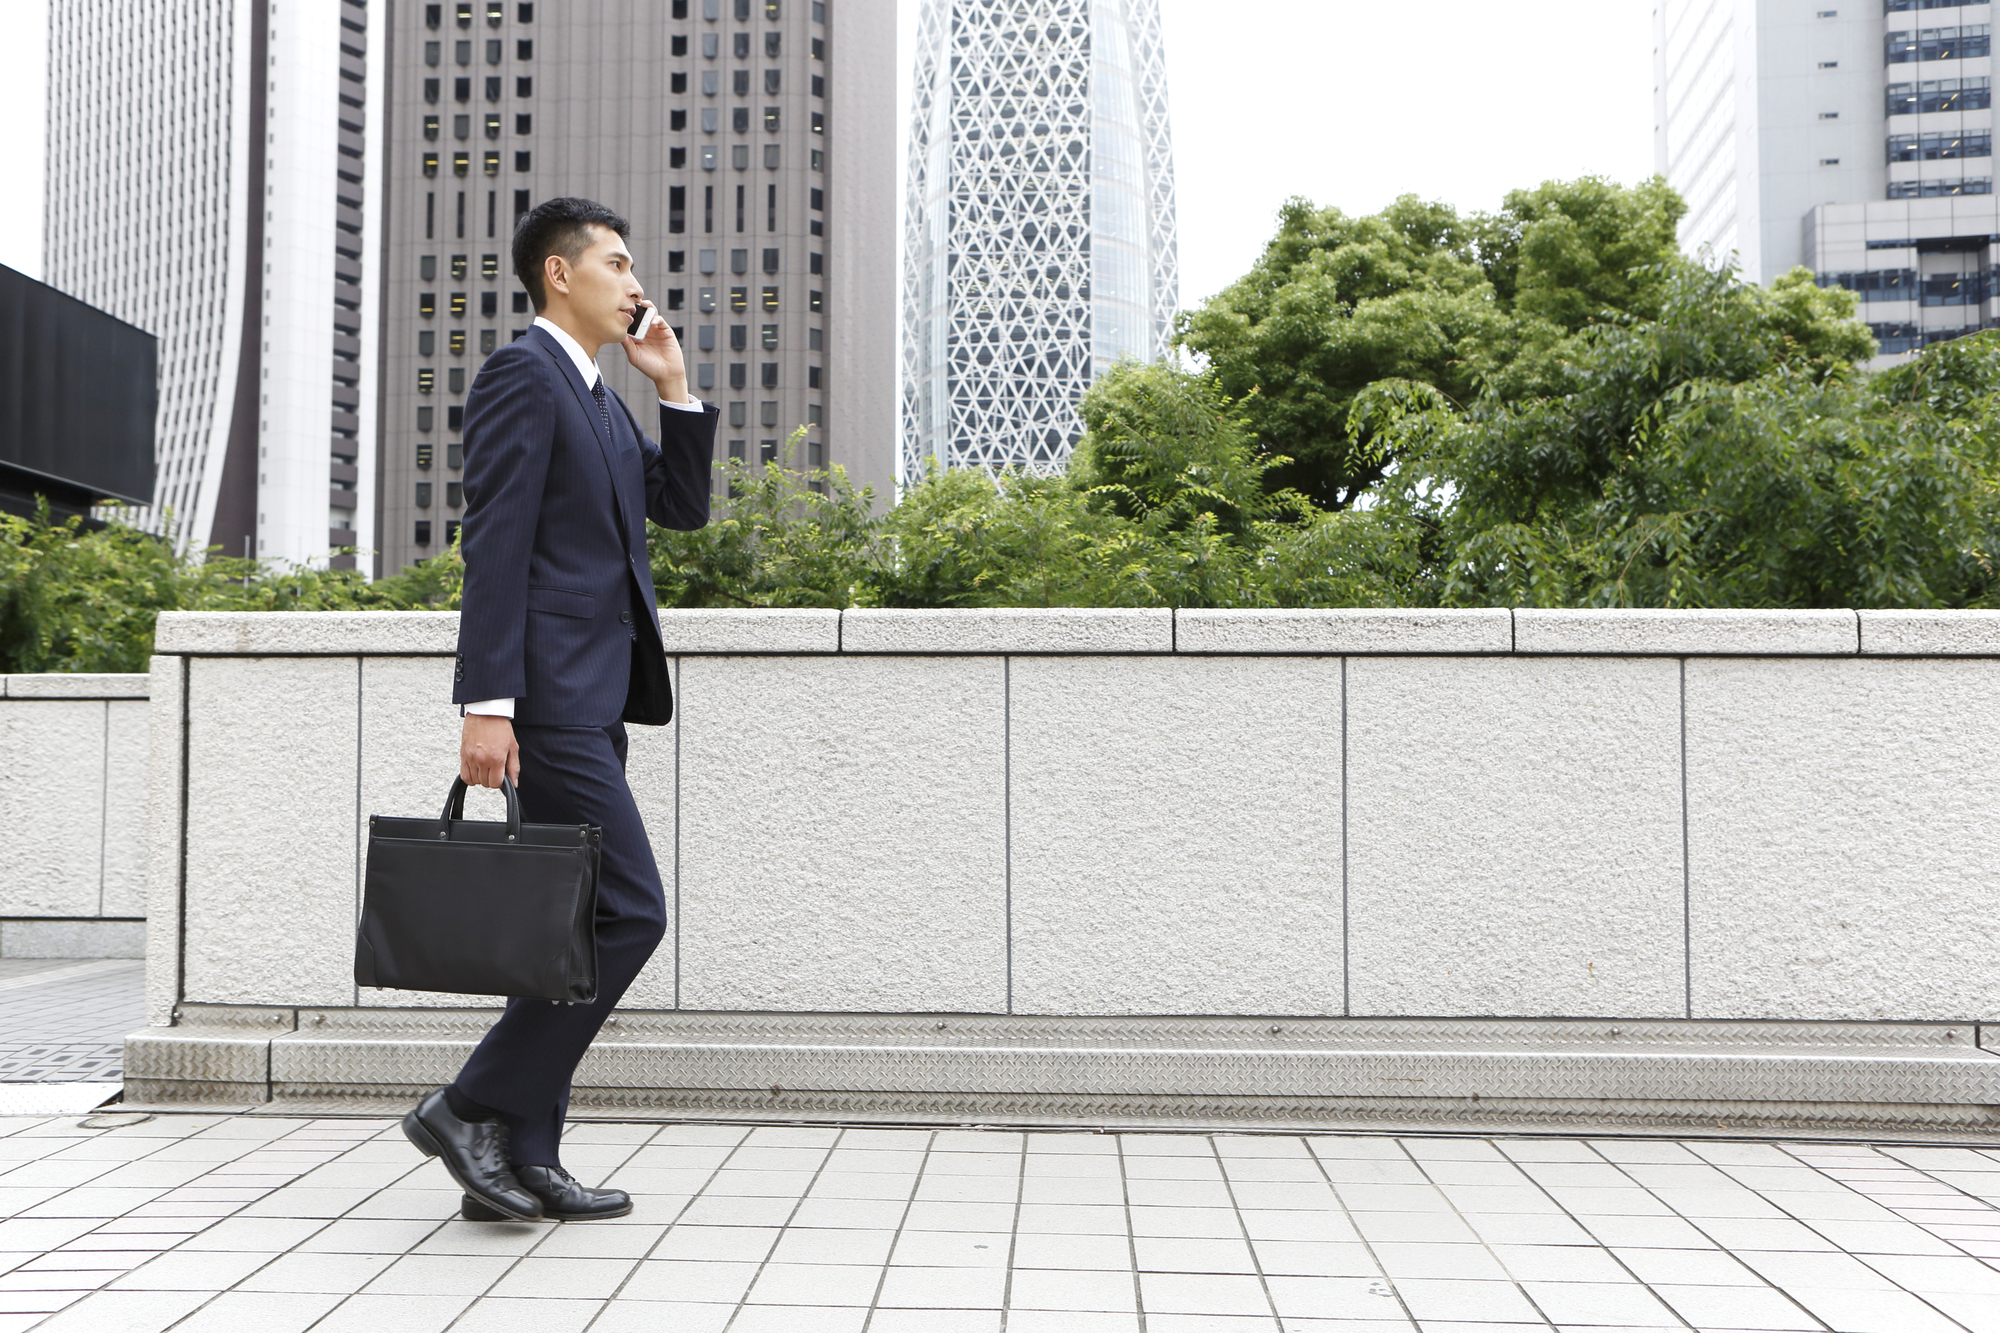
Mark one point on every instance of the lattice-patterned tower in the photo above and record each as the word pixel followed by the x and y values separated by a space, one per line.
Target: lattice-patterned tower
pixel 1039 247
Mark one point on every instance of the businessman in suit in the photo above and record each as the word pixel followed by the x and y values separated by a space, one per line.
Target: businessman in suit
pixel 558 647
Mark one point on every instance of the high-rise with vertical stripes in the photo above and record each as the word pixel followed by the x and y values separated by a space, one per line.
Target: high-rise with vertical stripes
pixel 210 179
pixel 1039 245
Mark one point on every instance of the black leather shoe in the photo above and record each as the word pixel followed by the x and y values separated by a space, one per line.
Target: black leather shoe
pixel 475 1152
pixel 563 1199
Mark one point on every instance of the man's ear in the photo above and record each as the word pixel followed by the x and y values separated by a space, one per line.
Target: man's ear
pixel 555 274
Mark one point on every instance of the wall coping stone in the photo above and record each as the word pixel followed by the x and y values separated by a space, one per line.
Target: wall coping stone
pixel 1094 630
pixel 1359 631
pixel 77 685
pixel 306 633
pixel 1687 633
pixel 1930 633
pixel 1008 630
pixel 750 630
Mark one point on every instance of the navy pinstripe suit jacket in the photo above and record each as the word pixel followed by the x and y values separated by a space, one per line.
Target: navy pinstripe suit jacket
pixel 555 535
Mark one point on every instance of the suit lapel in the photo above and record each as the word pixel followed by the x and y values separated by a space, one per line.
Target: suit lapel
pixel 607 447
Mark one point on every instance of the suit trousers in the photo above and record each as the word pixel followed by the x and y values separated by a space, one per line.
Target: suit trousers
pixel 523 1066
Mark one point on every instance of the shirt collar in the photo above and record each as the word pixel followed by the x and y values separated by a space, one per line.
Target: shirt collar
pixel 585 366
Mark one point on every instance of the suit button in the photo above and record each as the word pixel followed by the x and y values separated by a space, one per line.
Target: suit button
pixel 624 617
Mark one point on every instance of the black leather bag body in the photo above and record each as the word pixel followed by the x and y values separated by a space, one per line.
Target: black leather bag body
pixel 478 907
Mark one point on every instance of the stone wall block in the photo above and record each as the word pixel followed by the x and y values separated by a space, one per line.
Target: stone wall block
pixel 127 771
pixel 1346 631
pixel 1930 633
pixel 843 845
pixel 1176 835
pixel 1687 633
pixel 271 838
pixel 166 702
pixel 409 759
pixel 750 631
pixel 1008 630
pixel 52 806
pixel 1843 839
pixel 650 755
pixel 1514 837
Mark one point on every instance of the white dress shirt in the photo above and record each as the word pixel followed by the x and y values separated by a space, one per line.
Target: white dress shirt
pixel 586 366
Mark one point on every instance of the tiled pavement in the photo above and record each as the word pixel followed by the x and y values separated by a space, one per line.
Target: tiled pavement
pixel 64 1020
pixel 273 1225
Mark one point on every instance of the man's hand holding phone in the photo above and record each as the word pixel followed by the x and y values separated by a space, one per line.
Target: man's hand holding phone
pixel 654 352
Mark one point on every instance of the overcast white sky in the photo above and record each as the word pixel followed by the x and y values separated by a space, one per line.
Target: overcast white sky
pixel 1347 102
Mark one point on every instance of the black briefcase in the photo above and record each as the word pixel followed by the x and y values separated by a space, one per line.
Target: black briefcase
pixel 478 908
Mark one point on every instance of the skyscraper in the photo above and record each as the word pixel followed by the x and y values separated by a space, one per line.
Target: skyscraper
pixel 1854 139
pixel 1039 244
pixel 749 144
pixel 207 174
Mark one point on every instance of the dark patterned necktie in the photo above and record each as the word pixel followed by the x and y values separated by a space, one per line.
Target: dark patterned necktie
pixel 603 408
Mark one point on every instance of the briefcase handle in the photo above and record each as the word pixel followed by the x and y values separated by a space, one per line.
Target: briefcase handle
pixel 454 807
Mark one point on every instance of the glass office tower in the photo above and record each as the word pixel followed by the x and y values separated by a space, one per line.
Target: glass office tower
pixel 1039 247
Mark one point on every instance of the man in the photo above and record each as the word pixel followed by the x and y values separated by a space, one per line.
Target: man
pixel 559 646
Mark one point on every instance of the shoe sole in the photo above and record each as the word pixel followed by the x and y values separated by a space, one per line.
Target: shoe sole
pixel 466 1213
pixel 427 1144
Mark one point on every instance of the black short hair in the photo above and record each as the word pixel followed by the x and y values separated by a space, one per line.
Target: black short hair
pixel 557 227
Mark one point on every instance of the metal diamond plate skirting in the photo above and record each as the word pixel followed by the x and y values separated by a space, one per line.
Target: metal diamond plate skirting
pixel 1177 1069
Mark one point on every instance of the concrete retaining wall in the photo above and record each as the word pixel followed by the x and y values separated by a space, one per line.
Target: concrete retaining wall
pixel 73 804
pixel 1480 822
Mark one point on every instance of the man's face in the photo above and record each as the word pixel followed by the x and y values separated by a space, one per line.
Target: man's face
pixel 603 294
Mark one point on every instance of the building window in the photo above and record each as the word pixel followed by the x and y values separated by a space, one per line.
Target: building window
pixel 709 119
pixel 427 342
pixel 430 164
pixel 1940 147
pixel 465 14
pixel 739 376
pixel 711 83
pixel 523 123
pixel 520 303
pixel 770 298
pixel 739 157
pixel 767 451
pixel 524 49
pixel 432 55
pixel 431 91
pixel 1934 95
pixel 426 379
pixel 455 377
pixel 423 495
pixel 708 157
pixel 458 305
pixel 521 161
pixel 454 420
pixel 495 11
pixel 771 156
pixel 677 83
pixel 461 163
pixel 813 340
pixel 771 83
pixel 1940 189
pixel 771 10
pixel 431 128
pixel 524 86
pixel 424 457
pixel 770 336
pixel 426 416
pixel 423 537
pixel 739 120
pixel 707 301
pixel 742 48
pixel 677 120
pixel 462 52
pixel 770 120
pixel 427 304
pixel 454 495
pixel 819 122
pixel 676 208
pixel 525 13
pixel 493 125
pixel 488 340
pixel 493 163
pixel 815 264
pixel 737 415
pixel 458 266
pixel 454 456
pixel 461 89
pixel 489 266
pixel 493 88
pixel 739 82
pixel 818 160
pixel 461 127
pixel 739 299
pixel 493 53
pixel 770 374
pixel 1962 43
pixel 433 15
pixel 705 375
pixel 451 529
pixel 819 85
pixel 454 342
pixel 812 374
pixel 739 261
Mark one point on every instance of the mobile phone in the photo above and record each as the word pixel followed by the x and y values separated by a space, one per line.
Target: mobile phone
pixel 637 329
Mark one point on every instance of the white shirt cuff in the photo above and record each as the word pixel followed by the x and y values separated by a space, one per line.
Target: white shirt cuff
pixel 693 404
pixel 492 708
